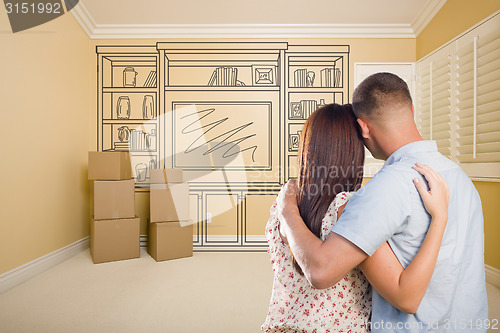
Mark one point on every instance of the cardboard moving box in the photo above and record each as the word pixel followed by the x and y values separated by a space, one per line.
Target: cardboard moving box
pixel 109 165
pixel 170 240
pixel 112 240
pixel 165 176
pixel 169 202
pixel 114 199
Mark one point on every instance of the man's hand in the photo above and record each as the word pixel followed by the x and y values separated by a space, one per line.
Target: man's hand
pixel 287 204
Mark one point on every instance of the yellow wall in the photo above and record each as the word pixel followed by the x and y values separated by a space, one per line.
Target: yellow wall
pixel 490 197
pixel 454 18
pixel 45 84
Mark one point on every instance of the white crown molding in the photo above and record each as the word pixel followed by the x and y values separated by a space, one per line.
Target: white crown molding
pixel 142 31
pixel 25 272
pixel 83 17
pixel 109 31
pixel 423 18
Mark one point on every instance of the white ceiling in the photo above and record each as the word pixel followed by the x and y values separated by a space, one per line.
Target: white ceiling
pixel 187 18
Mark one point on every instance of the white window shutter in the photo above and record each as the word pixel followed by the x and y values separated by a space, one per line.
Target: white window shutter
pixel 434 99
pixel 441 103
pixel 423 101
pixel 478 102
pixel 458 99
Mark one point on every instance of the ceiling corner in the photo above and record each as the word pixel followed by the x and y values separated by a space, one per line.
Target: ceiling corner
pixel 84 18
pixel 426 14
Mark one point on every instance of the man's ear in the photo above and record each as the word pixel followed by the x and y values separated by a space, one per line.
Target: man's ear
pixel 365 131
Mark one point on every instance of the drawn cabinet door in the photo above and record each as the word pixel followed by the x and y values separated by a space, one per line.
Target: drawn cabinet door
pixel 257 207
pixel 196 214
pixel 222 215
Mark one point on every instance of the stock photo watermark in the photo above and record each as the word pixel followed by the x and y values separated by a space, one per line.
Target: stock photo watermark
pixel 24 15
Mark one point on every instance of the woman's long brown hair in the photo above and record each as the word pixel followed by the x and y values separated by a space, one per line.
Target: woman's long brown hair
pixel 331 157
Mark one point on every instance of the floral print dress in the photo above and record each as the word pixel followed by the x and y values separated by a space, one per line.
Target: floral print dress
pixel 296 306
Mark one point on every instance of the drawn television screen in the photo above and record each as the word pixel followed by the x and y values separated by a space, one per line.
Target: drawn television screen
pixel 216 135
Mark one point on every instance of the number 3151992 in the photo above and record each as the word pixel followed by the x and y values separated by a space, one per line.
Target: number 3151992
pixel 32 8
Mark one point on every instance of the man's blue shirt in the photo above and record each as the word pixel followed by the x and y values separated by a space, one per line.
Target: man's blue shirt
pixel 389 208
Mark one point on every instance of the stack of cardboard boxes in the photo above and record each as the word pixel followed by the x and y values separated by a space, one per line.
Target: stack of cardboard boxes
pixel 114 228
pixel 170 232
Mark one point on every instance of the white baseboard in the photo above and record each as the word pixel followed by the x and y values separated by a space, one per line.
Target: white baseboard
pixel 25 272
pixel 492 275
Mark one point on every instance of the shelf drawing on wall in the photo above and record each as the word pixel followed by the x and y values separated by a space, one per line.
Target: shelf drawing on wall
pixel 143 167
pixel 127 105
pixel 263 75
pixel 225 77
pixel 130 76
pixel 129 136
pixel 231 64
pixel 318 71
pixel 317 75
pixel 236 92
pixel 150 80
pixel 224 103
pixel 210 135
pixel 330 77
pixel 230 114
pixel 294 132
pixel 303 109
pixel 228 76
pixel 136 106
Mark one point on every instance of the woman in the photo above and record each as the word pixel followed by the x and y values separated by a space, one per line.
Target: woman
pixel 331 156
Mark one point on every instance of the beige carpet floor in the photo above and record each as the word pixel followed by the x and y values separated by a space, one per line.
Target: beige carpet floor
pixel 210 292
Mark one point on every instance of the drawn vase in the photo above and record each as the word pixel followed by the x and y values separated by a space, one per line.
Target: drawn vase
pixel 123 108
pixel 310 79
pixel 141 171
pixel 148 107
pixel 129 75
pixel 123 133
pixel 152 166
pixel 151 140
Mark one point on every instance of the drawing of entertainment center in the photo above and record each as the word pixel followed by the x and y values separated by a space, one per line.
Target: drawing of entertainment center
pixel 229 114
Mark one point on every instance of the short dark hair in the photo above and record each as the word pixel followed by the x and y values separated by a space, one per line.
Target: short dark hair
pixel 377 93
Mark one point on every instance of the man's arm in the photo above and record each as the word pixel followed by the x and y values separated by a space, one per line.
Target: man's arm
pixel 405 288
pixel 323 263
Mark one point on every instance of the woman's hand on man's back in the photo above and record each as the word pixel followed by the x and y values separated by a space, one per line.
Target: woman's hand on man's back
pixel 437 197
pixel 287 203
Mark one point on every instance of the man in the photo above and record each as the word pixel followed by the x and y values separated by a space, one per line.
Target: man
pixel 388 208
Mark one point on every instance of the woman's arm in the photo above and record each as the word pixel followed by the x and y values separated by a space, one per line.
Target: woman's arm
pixel 405 288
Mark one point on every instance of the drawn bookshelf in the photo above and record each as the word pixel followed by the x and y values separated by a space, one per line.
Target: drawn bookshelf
pixel 127 105
pixel 229 114
pixel 233 93
pixel 316 75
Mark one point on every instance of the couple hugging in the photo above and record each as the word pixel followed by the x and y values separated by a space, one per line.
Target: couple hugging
pixel 414 232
